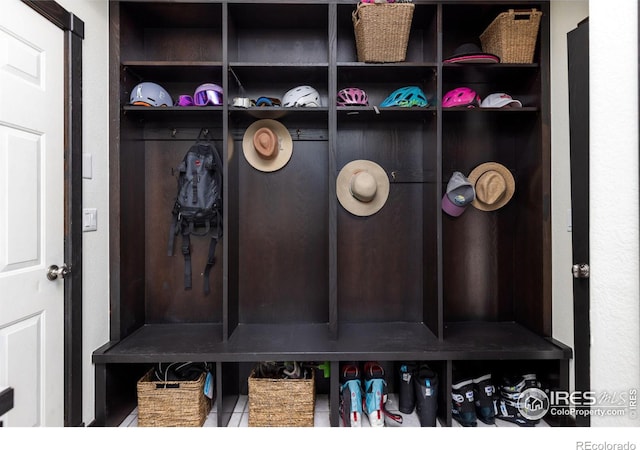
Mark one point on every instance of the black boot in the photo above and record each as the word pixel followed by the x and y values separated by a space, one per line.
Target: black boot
pixel 406 395
pixel 483 391
pixel 508 405
pixel 425 383
pixel 463 406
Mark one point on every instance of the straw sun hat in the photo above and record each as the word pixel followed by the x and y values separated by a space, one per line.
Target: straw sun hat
pixel 267 145
pixel 494 186
pixel 362 187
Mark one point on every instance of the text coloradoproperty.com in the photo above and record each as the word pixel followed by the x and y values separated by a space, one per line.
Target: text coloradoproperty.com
pixel 586 412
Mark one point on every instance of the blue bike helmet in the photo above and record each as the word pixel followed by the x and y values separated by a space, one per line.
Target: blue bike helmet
pixel 407 97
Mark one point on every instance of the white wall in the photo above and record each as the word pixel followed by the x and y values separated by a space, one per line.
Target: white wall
pixel 95 130
pixel 614 239
pixel 615 310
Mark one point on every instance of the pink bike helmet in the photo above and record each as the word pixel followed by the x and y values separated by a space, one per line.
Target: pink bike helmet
pixel 352 97
pixel 462 96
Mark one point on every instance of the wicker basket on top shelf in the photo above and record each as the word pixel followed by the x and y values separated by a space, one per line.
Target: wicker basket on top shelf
pixel 382 31
pixel 513 35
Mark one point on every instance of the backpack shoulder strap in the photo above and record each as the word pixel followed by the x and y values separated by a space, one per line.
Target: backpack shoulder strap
pixel 211 260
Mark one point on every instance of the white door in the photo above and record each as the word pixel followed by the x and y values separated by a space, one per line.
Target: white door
pixel 31 215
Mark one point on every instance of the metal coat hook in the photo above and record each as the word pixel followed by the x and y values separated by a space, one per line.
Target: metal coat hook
pixel 174 132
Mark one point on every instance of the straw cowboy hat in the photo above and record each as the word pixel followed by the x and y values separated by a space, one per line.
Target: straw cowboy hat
pixel 494 186
pixel 362 187
pixel 267 145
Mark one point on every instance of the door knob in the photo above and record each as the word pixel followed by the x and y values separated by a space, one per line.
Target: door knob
pixel 580 270
pixel 53 272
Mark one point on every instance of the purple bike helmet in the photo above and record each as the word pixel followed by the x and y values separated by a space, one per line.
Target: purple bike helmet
pixel 352 97
pixel 462 96
pixel 208 94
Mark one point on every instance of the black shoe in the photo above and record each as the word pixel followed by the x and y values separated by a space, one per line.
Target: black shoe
pixel 507 407
pixel 463 406
pixel 483 392
pixel 406 395
pixel 425 383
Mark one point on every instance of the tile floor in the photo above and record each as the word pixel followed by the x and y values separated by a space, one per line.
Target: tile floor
pixel 240 416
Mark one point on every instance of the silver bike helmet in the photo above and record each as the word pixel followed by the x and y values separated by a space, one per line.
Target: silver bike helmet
pixel 150 94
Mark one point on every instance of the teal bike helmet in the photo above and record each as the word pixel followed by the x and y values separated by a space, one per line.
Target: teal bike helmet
pixel 406 97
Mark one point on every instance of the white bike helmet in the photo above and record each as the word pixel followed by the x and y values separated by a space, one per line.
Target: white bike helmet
pixel 301 96
pixel 150 94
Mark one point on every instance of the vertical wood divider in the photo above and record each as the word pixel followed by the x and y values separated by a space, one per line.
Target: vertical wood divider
pixel 333 221
pixel 440 308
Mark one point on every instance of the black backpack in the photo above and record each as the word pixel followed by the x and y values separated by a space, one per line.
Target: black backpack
pixel 198 206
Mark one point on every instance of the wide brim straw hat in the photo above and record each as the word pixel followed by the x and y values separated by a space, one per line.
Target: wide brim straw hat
pixel 267 145
pixel 362 187
pixel 494 186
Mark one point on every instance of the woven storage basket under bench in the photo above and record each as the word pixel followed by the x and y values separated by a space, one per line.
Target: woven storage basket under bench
pixel 275 402
pixel 172 403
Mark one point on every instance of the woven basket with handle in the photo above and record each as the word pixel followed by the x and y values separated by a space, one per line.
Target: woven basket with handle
pixel 283 402
pixel 172 403
pixel 513 35
pixel 382 31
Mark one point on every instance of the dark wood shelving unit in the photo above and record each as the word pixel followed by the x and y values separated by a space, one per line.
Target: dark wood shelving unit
pixel 298 277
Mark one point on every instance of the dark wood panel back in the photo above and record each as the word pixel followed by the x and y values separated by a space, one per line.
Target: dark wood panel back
pixel 380 257
pixel 283 267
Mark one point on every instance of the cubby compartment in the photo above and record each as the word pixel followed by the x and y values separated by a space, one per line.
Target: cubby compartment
pixel 499 253
pixel 393 243
pixel 514 380
pixel 153 290
pixel 171 32
pixel 176 81
pixel 278 33
pixel 380 81
pixel 280 222
pixel 464 23
pixel 253 81
pixel 402 385
pixel 422 45
pixel 521 83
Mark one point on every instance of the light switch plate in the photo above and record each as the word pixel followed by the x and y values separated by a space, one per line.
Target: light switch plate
pixel 89 219
pixel 87 165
